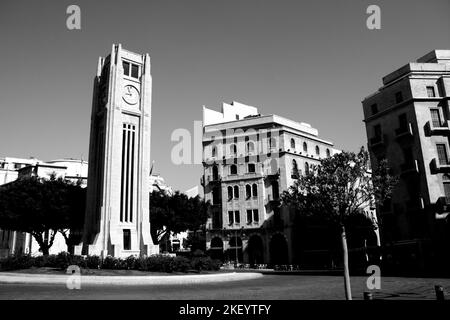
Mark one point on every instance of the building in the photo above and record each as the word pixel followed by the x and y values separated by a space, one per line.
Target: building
pixel 117 218
pixel 249 159
pixel 15 242
pixel 407 124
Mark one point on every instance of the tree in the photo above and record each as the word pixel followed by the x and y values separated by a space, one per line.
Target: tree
pixel 72 229
pixel 339 187
pixel 175 213
pixel 38 206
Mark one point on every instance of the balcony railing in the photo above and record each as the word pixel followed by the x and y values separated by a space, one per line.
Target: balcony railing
pixel 377 141
pixel 405 131
pixel 440 166
pixel 272 175
pixel 410 167
pixel 214 179
pixel 442 129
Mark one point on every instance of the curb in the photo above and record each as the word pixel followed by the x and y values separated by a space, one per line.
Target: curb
pixel 15 278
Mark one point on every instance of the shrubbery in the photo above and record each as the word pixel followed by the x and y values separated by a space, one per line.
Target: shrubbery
pixel 154 263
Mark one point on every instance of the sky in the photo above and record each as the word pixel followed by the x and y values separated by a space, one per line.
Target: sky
pixel 309 61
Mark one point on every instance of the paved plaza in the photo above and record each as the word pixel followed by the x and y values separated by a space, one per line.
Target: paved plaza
pixel 267 287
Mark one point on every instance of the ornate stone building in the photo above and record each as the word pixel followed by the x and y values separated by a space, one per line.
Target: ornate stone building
pixel 249 159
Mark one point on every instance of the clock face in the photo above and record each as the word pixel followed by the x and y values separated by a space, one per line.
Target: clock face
pixel 130 95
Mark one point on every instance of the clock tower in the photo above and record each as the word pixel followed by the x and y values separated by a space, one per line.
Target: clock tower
pixel 117 220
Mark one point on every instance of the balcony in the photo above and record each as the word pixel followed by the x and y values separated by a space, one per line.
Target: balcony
pixel 273 200
pixel 409 167
pixel 437 130
pixel 214 179
pixel 438 167
pixel 377 141
pixel 272 175
pixel 404 132
pixel 443 205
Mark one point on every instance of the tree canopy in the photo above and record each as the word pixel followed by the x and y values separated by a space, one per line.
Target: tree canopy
pixel 175 213
pixel 341 185
pixel 339 188
pixel 41 207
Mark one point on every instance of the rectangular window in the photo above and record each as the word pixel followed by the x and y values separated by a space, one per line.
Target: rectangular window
pixel 374 108
pixel 408 157
pixel 230 217
pixel 377 131
pixel 126 239
pixel 430 92
pixel 447 192
pixel 398 97
pixel 442 154
pixel 256 215
pixel 237 216
pixel 251 168
pixel 249 216
pixel 402 122
pixel 126 68
pixel 435 117
pixel 135 71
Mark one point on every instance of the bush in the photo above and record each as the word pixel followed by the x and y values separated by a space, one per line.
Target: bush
pixel 159 263
pixel 129 263
pixel 205 263
pixel 154 263
pixel 16 262
pixel 180 264
pixel 110 263
pixel 79 261
pixel 62 261
pixel 141 264
pixel 93 262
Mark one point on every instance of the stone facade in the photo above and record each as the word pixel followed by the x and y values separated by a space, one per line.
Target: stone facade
pixel 407 123
pixel 249 160
pixel 117 219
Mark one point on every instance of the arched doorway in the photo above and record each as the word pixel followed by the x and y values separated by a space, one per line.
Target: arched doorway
pixel 278 250
pixel 255 250
pixel 235 250
pixel 216 249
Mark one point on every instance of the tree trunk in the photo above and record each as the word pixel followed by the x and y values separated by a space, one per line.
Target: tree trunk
pixel 348 289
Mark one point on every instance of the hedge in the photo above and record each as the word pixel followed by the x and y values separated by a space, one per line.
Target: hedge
pixel 154 263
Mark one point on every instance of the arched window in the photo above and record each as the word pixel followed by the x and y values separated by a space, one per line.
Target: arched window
pixel 233 149
pixel 230 192
pixel 294 173
pixel 233 169
pixel 292 143
pixel 248 191
pixel 214 152
pixel 236 192
pixel 328 153
pixel 250 147
pixel 306 167
pixel 305 147
pixel 317 150
pixel 255 190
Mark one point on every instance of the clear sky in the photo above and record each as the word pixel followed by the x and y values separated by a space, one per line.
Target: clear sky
pixel 310 61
